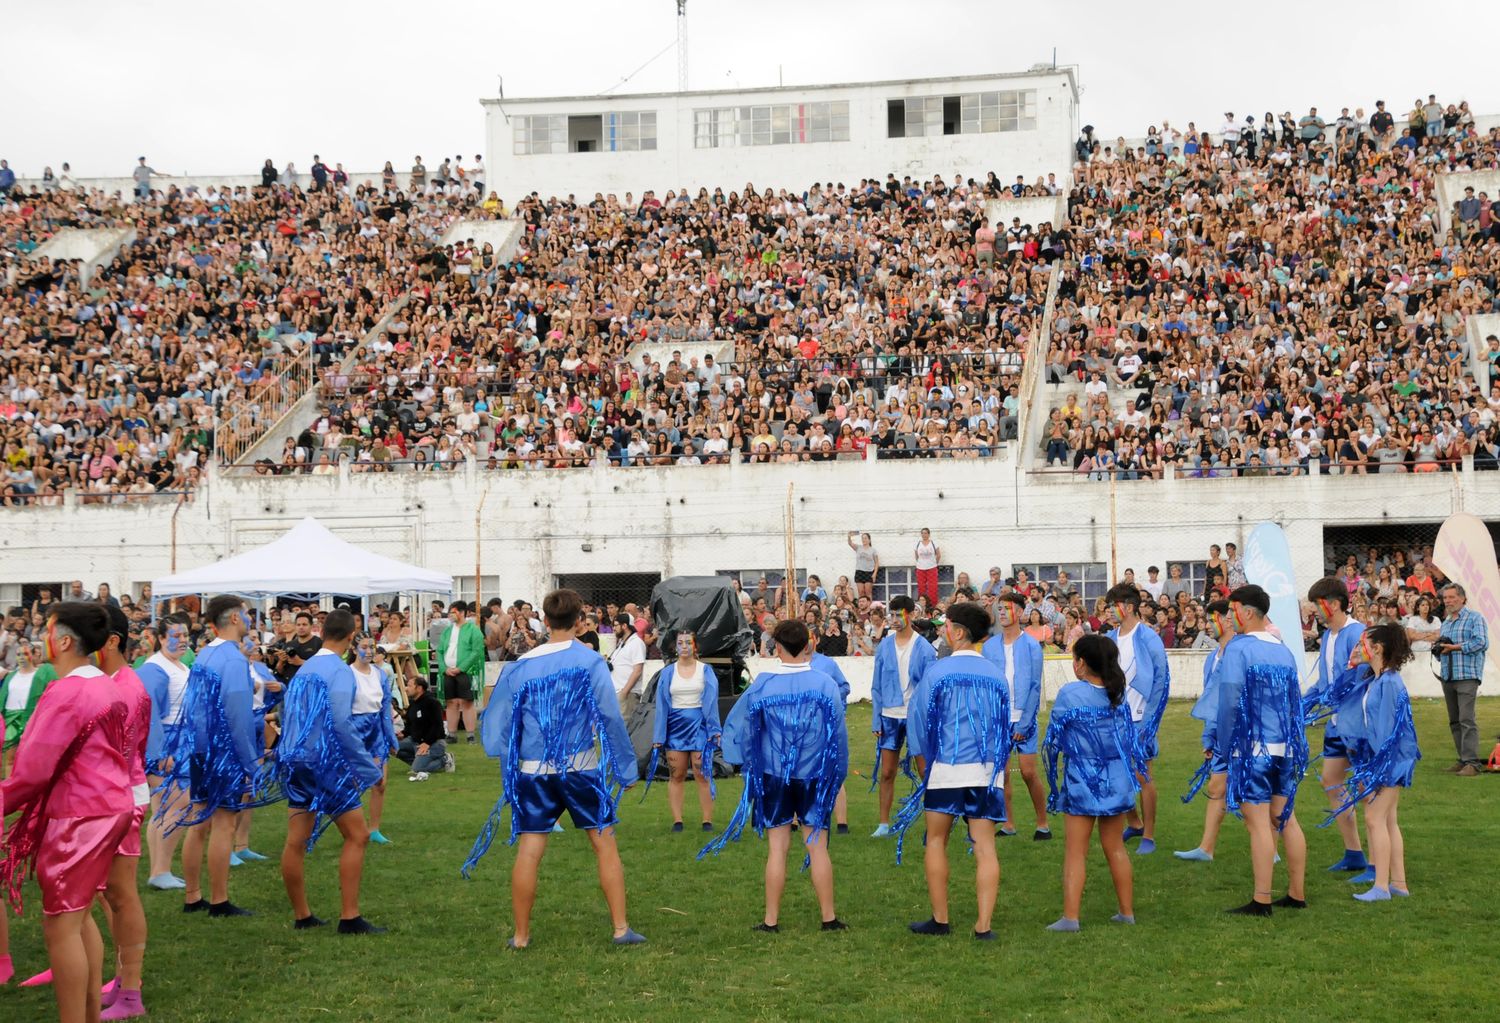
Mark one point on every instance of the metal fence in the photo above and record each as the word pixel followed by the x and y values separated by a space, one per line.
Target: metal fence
pixel 243 422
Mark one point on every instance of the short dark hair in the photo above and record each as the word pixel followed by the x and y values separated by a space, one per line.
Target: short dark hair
pixel 1013 598
pixel 1217 607
pixel 1329 588
pixel 561 609
pixel 305 614
pixel 1394 644
pixel 119 625
pixel 972 618
pixel 902 602
pixel 1251 595
pixel 85 619
pixel 792 635
pixel 339 625
pixel 223 608
pixel 175 618
pixel 1124 593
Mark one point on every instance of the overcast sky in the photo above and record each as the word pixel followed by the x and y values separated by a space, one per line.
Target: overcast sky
pixel 216 88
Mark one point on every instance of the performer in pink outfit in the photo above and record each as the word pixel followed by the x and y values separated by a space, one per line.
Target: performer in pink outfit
pixel 72 788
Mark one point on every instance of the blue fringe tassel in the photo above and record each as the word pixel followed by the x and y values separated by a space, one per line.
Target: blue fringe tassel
pixel 651 771
pixel 982 704
pixel 1199 779
pixel 1318 706
pixel 1379 770
pixel 1067 737
pixel 570 723
pixel 875 771
pixel 1278 686
pixel 708 766
pixel 314 745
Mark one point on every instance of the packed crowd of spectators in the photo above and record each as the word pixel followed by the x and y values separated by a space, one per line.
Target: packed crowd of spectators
pixel 1277 299
pixel 109 386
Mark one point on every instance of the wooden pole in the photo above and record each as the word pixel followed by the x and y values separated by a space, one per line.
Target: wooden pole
pixel 790 580
pixel 1114 538
pixel 478 546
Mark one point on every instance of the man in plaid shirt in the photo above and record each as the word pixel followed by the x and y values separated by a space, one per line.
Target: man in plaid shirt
pixel 1462 646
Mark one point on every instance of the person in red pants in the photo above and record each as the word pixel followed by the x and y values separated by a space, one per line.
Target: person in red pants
pixel 928 555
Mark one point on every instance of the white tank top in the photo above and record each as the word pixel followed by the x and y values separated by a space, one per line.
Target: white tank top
pixel 927 555
pixel 687 690
pixel 177 678
pixel 368 695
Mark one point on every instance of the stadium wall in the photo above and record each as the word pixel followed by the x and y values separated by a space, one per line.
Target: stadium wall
pixel 677 162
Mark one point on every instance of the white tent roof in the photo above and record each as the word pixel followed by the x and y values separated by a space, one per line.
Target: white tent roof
pixel 308 559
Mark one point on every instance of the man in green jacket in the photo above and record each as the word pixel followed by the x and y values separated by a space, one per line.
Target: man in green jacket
pixel 460 658
pixel 18 695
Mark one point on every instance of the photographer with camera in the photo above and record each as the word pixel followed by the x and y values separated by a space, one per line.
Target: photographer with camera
pixel 1461 647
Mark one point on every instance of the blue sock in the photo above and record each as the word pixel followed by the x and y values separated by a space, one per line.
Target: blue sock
pixel 630 937
pixel 1197 855
pixel 1146 848
pixel 1354 860
pixel 1131 833
pixel 1064 924
pixel 1121 918
pixel 1374 895
pixel 1366 876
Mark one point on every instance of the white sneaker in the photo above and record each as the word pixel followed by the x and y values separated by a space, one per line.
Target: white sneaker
pixel 449 764
pixel 421 776
pixel 411 777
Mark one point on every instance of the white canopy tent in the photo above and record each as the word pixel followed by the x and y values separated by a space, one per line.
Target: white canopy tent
pixel 308 559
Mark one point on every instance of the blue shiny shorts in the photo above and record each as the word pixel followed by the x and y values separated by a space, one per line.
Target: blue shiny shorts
pixel 1025 745
pixel 781 803
pixel 542 798
pixel 892 733
pixel 975 801
pixel 686 731
pixel 1149 747
pixel 367 727
pixel 1268 778
pixel 304 791
pixel 1333 744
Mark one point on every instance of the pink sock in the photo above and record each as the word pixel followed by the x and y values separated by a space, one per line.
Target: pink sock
pixel 108 993
pixel 127 1005
pixel 7 970
pixel 40 980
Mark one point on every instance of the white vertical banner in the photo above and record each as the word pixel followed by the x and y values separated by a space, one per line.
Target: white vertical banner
pixel 1268 564
pixel 1466 554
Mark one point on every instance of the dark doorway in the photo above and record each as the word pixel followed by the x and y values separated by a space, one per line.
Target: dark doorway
pixel 604 588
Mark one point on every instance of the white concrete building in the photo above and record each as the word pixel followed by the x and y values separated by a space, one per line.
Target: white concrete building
pixel 787 136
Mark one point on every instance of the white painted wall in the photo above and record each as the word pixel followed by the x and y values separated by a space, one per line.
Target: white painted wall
pixel 1450 189
pixel 1478 328
pixel 675 163
pixel 93 246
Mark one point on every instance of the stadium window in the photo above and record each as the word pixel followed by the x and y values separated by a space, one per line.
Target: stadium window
pixel 749 578
pixel 1089 578
pixel 540 133
pixel 966 114
pixel 783 124
pixel 895 119
pixel 1194 573
pixel 631 131
pixel 463 587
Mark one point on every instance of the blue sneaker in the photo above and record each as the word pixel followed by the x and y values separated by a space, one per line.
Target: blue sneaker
pixel 630 937
pixel 1367 876
pixel 379 839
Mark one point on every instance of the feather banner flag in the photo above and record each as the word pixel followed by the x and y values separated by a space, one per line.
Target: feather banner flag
pixel 1268 564
pixel 1466 554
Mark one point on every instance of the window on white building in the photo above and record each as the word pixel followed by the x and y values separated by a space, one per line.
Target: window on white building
pixel 540 133
pixel 1089 578
pixel 1194 573
pixel 626 131
pixel 771 125
pixel 965 114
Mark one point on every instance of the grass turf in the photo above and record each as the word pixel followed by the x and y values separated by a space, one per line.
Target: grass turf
pixel 445 958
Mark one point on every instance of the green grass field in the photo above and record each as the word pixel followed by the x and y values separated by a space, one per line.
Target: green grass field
pixel 1425 958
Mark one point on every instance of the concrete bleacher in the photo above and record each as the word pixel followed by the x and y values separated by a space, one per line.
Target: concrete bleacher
pixel 92 247
pixel 1450 189
pixel 504 235
pixel 1479 327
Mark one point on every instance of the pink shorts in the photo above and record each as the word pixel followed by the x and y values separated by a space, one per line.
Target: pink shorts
pixel 72 864
pixel 130 845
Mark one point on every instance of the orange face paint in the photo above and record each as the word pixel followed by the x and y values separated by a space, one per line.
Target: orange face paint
pixel 49 642
pixel 1239 618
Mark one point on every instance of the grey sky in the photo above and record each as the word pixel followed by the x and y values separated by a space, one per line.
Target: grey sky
pixel 211 88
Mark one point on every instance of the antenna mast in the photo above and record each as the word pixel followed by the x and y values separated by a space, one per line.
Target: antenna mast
pixel 682 46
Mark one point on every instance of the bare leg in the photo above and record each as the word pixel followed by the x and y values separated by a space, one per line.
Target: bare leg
pixel 935 863
pixel 1034 785
pixel 1334 771
pixel 840 808
pixel 677 764
pixel 220 845
pixel 377 798
pixel 299 828
pixel 466 717
pixel 160 846
pixel 127 920
pixel 888 764
pixel 1078 830
pixel 1112 841
pixel 1148 805
pixel 356 837
pixel 242 830
pixel 1377 823
pixel 1262 847
pixel 611 876
pixel 75 951
pixel 779 840
pixel 821 869
pixel 450 717
pixel 705 797
pixel 986 871
pixel 1213 813
pixel 192 859
pixel 529 850
pixel 1398 844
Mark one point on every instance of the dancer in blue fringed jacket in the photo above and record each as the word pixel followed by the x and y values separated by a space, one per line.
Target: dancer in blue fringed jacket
pixel 217 755
pixel 373 722
pixel 549 717
pixel 166 679
pixel 788 732
pixel 325 767
pixel 1330 597
pixel 1148 681
pixel 830 667
pixel 1262 734
pixel 1091 730
pixel 959 723
pixel 1375 721
pixel 1213 774
pixel 900 660
pixel 1019 658
pixel 687 727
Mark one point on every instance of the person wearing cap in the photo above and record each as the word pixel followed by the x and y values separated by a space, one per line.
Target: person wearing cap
pixel 1261 735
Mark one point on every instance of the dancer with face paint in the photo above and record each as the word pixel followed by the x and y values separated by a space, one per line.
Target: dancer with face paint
pixel 165 676
pixel 687 727
pixel 373 723
pixel 900 661
pixel 1261 730
pixel 1019 658
pixel 72 790
pixel 960 725
pixel 19 692
pixel 1336 647
pixel 1215 770
pixel 1143 659
pixel 218 755
pixel 268 693
pixel 830 667
pixel 324 766
pixel 1377 727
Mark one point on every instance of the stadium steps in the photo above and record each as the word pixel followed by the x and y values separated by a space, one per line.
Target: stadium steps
pixel 92 247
